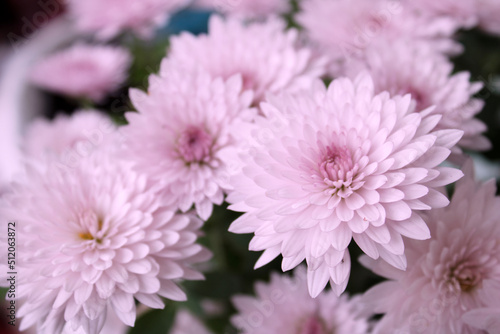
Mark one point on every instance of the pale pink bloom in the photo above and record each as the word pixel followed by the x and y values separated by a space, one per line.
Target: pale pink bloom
pixel 90 71
pixel 284 306
pixel 108 18
pixel 246 8
pixel 267 57
pixel 456 271
pixel 186 323
pixel 462 11
pixel 93 239
pixel 332 165
pixel 343 29
pixel 81 133
pixel 489 15
pixel 181 134
pixel 403 68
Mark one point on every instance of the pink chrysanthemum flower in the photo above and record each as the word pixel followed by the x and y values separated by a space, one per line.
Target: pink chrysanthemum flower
pixel 91 239
pixel 336 164
pixel 402 68
pixel 182 132
pixel 489 15
pixel 108 18
pixel 247 8
pixel 343 29
pixel 448 275
pixel 88 71
pixel 284 306
pixel 76 135
pixel 268 58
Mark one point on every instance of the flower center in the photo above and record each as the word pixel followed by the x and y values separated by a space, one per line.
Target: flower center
pixel 313 325
pixel 464 276
pixel 194 145
pixel 91 230
pixel 416 95
pixel 338 170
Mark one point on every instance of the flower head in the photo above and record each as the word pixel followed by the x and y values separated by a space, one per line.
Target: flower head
pixel 343 29
pixel 82 132
pixel 108 18
pixel 284 306
pixel 454 272
pixel 91 240
pixel 267 57
pixel 182 132
pixel 403 68
pixel 336 164
pixel 83 71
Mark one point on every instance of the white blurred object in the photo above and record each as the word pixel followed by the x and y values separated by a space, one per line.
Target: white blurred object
pixel 485 169
pixel 18 101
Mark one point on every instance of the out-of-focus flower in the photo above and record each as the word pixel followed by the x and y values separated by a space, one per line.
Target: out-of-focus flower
pixel 246 9
pixel 108 18
pixel 402 68
pixel 89 71
pixel 332 165
pixel 284 306
pixel 343 29
pixel 80 133
pixel 186 323
pixel 268 58
pixel 455 272
pixel 489 15
pixel 91 240
pixel 183 131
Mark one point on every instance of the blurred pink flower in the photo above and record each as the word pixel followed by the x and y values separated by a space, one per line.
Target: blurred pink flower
pixel 456 271
pixel 246 8
pixel 183 131
pixel 91 240
pixel 268 58
pixel 109 18
pixel 82 132
pixel 89 71
pixel 403 68
pixel 284 306
pixel 186 323
pixel 343 29
pixel 336 164
pixel 489 15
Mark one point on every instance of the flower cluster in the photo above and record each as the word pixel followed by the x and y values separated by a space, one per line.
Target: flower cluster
pixel 324 129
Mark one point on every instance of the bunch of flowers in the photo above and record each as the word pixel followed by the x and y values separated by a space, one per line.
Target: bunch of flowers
pixel 309 131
